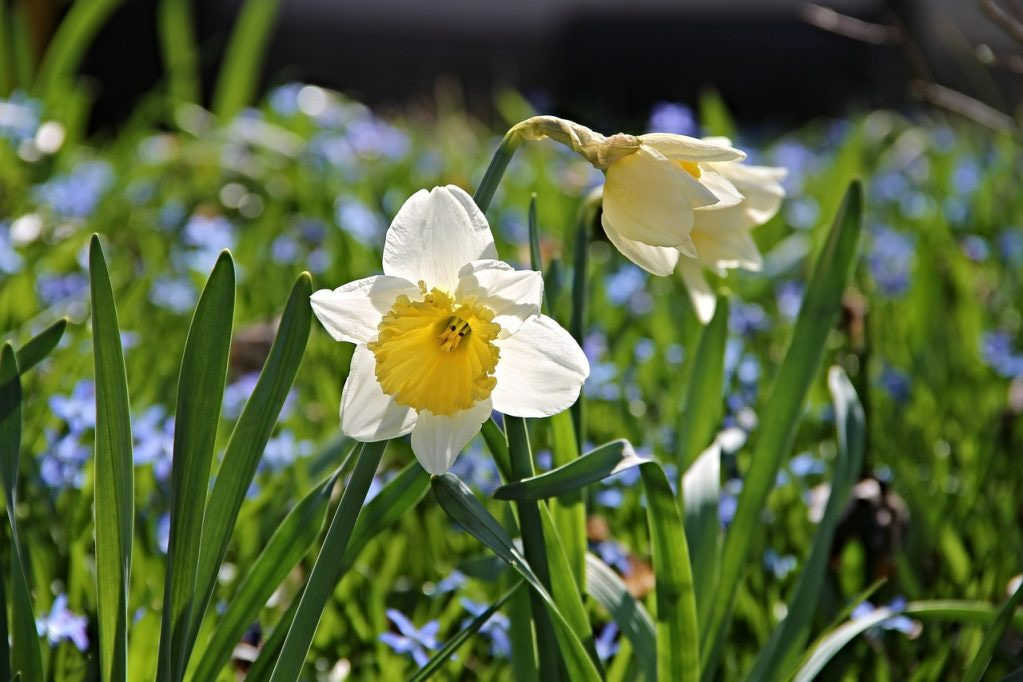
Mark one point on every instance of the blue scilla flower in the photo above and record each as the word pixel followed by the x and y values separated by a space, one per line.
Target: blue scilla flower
pixel 453 582
pixel 410 639
pixel 371 137
pixel 610 497
pixel 53 289
pixel 896 623
pixel 285 249
pixel 798 159
pixel 19 117
pixel 61 624
pixel 889 260
pixel 209 232
pixel 358 220
pixel 999 353
pixel 895 383
pixel 779 565
pixel 613 554
pixel 495 629
pixel 76 194
pixel 790 298
pixel 176 294
pixel 237 393
pixel 806 464
pixel 746 319
pixel 1010 245
pixel 62 464
pixel 671 117
pixel 11 261
pixel 477 469
pixel 282 450
pixel 966 175
pixel 153 433
pixel 729 501
pixel 606 642
pixel 78 410
pixel 802 212
pixel 284 99
pixel 625 283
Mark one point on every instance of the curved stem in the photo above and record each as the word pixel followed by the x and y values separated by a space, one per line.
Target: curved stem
pixel 495 171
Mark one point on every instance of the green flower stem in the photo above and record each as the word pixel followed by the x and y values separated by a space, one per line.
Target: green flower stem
pixel 589 213
pixel 495 171
pixel 533 544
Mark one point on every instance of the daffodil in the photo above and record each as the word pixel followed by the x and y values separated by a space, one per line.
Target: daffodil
pixel 652 196
pixel 446 335
pixel 718 236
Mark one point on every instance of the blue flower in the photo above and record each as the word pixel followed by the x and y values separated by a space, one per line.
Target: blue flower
pixel 76 194
pixel 19 117
pixel 176 294
pixel 747 319
pixel 282 450
pixel 614 554
pixel 358 220
pixel 208 235
pixel 896 623
pixel 452 583
pixel 975 248
pixel 477 469
pixel 285 249
pixel 607 641
pixel 411 640
pixel 10 260
pixel 779 565
pixel 78 410
pixel 670 117
pixel 153 433
pixel 496 628
pixel 61 465
pixel 790 298
pixel 895 383
pixel 889 260
pixel 998 352
pixel 1010 244
pixel 53 289
pixel 63 625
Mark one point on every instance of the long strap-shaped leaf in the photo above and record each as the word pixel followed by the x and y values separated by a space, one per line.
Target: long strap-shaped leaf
pixel 701 492
pixel 791 635
pixel 461 505
pixel 114 472
pixel 247 443
pixel 987 648
pixel 397 498
pixel 678 656
pixel 704 399
pixel 286 547
pixel 604 585
pixel 783 408
pixel 327 570
pixel 39 346
pixel 200 393
pixel 26 658
pixel 448 650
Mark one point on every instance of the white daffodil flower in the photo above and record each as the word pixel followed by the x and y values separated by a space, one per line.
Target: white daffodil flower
pixel 719 237
pixel 446 335
pixel 651 196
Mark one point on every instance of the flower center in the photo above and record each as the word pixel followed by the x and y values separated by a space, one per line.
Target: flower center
pixel 690 167
pixel 436 354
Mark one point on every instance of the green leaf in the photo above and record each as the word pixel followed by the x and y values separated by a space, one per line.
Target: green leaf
pixel 981 661
pixel 569 510
pixel 175 25
pixel 593 467
pixel 461 505
pixel 114 473
pixel 243 61
pixel 448 650
pixel 39 346
pixel 704 399
pixel 327 570
pixel 604 585
pixel 200 393
pixel 249 439
pixel 962 611
pixel 587 221
pixel 836 640
pixel 701 492
pixel 678 643
pixel 26 658
pixel 564 588
pixel 783 408
pixel 396 499
pixel 286 547
pixel 791 635
pixel 74 36
pixel 497 443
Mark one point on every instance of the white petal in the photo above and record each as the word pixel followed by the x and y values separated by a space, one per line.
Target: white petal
pixel 684 148
pixel 657 260
pixel 700 292
pixel 648 199
pixel 540 372
pixel 434 234
pixel 727 249
pixel 367 414
pixel 437 439
pixel 726 193
pixel 513 295
pixel 762 189
pixel 352 312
